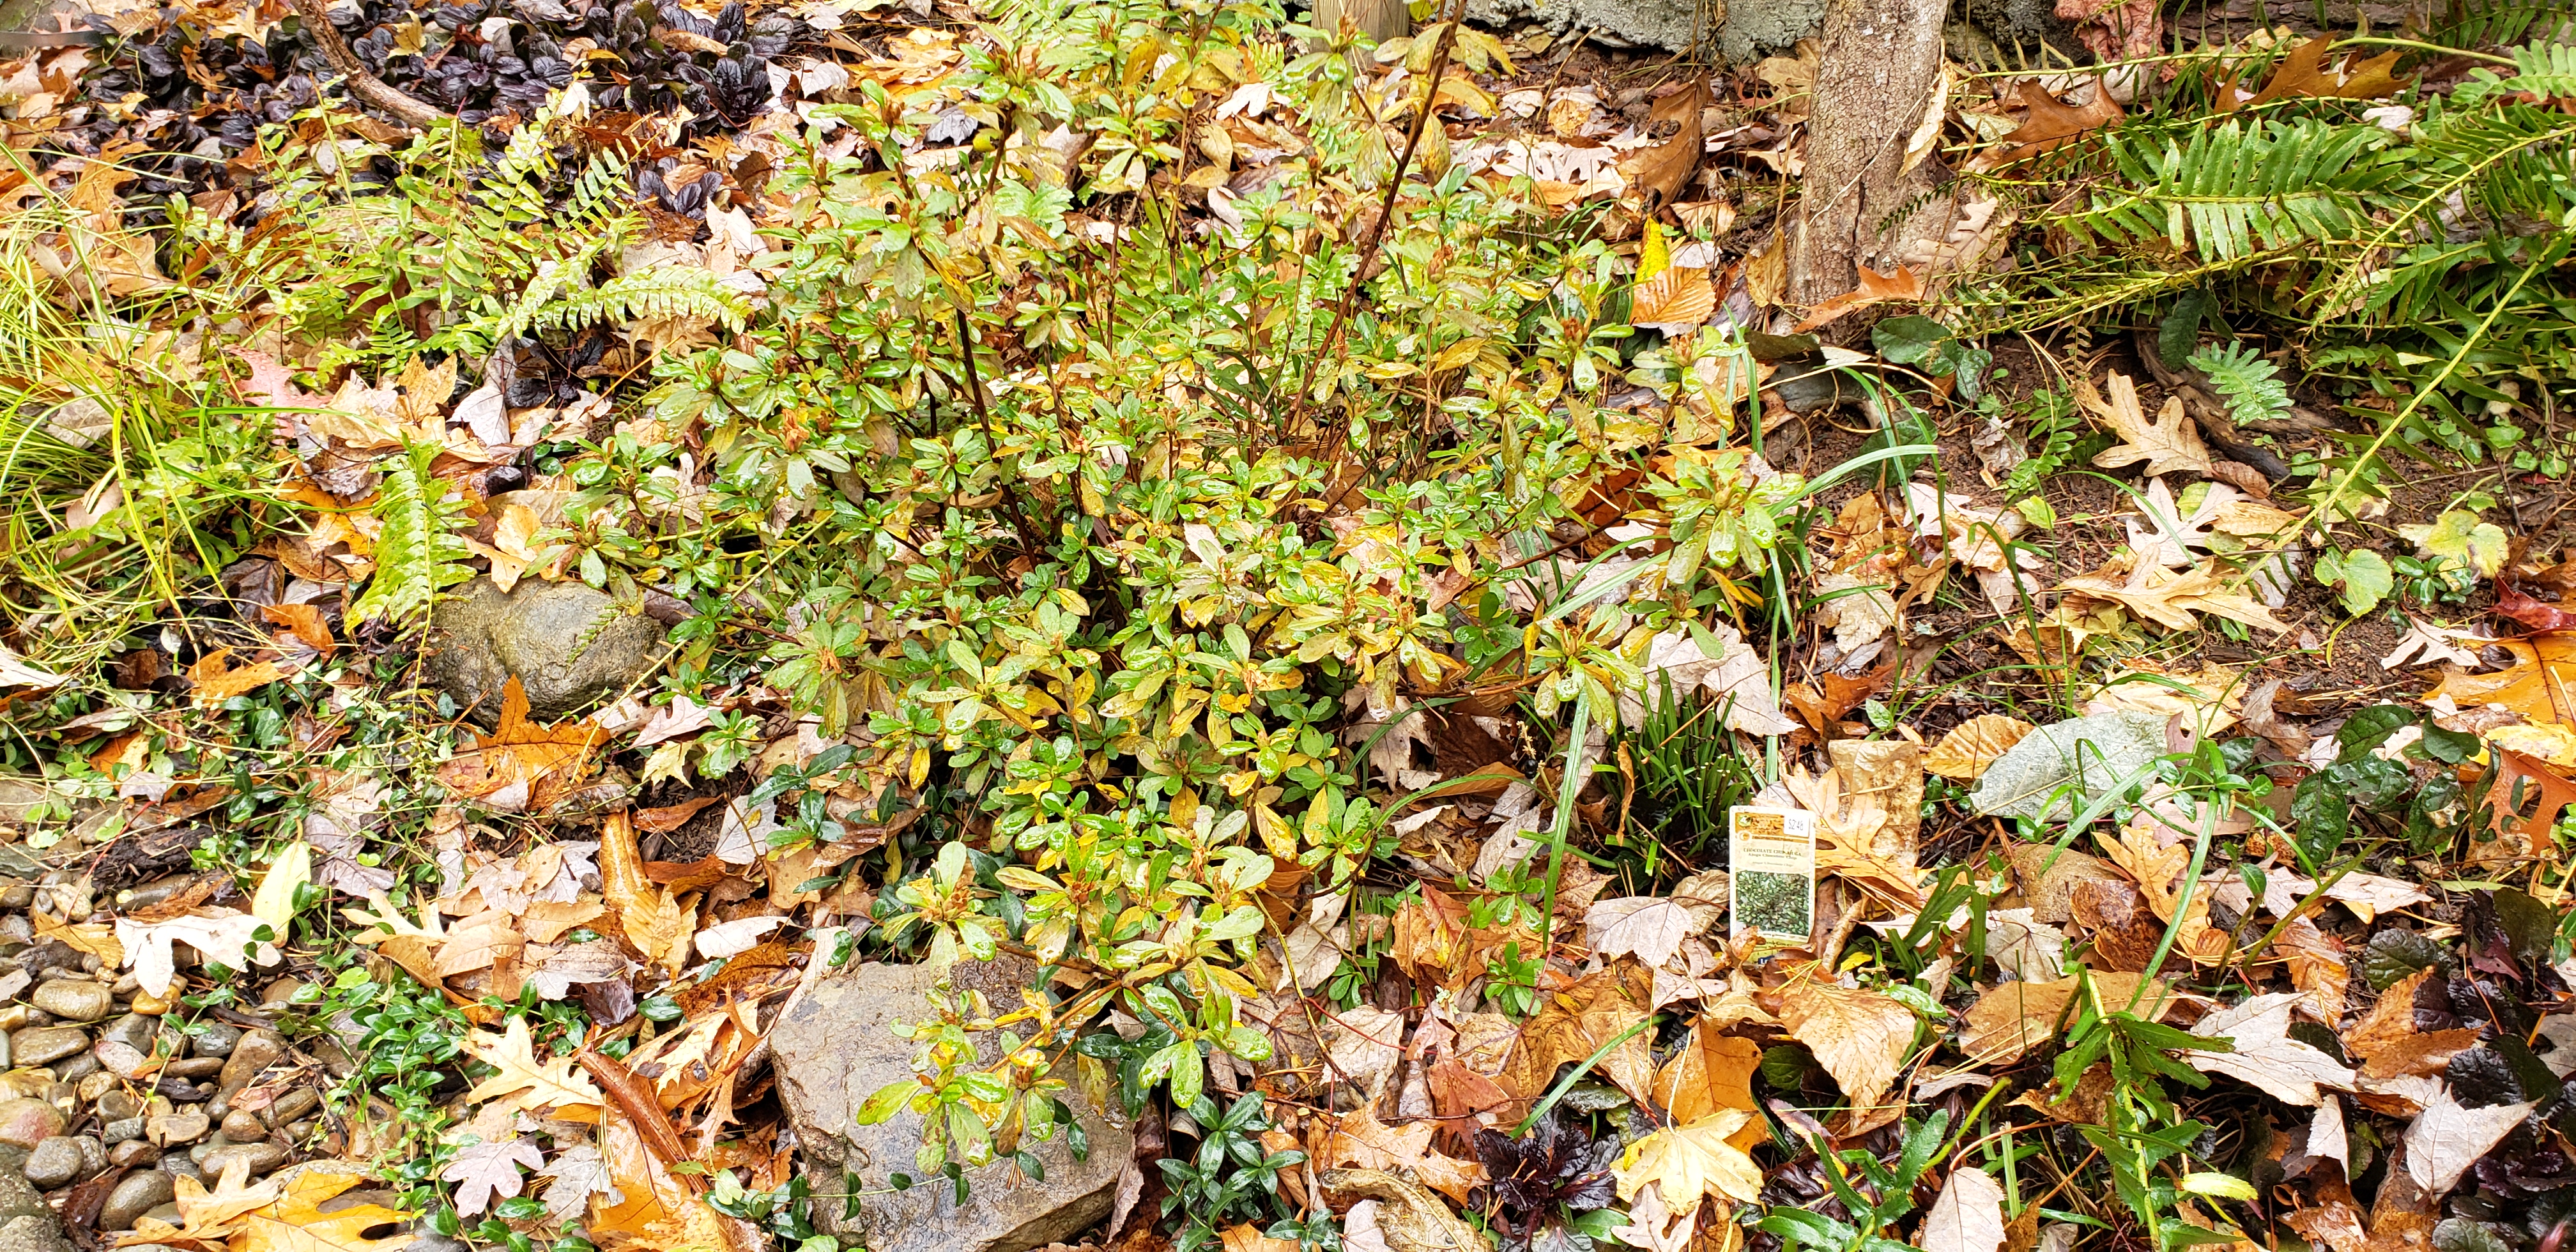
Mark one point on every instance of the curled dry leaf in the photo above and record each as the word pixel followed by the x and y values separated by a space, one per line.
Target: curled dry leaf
pixel 1972 745
pixel 2446 1139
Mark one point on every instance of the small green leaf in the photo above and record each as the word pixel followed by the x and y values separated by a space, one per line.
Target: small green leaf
pixel 2224 1186
pixel 2364 578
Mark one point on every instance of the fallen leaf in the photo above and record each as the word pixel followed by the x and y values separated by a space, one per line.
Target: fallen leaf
pixel 273 902
pixel 2427 644
pixel 2521 780
pixel 1408 1218
pixel 1573 1023
pixel 2390 1046
pixel 579 1172
pixel 730 938
pixel 2302 74
pixel 1972 745
pixel 2169 599
pixel 529 1084
pixel 1712 1073
pixel 1651 928
pixel 2265 1056
pixel 219 935
pixel 2050 125
pixel 296 1222
pixel 211 682
pixel 1692 1163
pixel 2160 870
pixel 16 672
pixel 2540 685
pixel 208 1216
pixel 2015 1017
pixel 522 766
pixel 1968 1216
pixel 484 1170
pixel 1860 1037
pixel 1661 172
pixel 1362 1141
pixel 1905 286
pixel 1673 301
pixel 2446 1139
pixel 2169 443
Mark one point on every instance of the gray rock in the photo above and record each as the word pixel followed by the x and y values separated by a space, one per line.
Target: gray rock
pixel 256 1051
pixel 2055 768
pixel 177 1127
pixel 177 1165
pixel 117 1105
pixel 135 1151
pixel 44 1045
pixel 77 1066
pixel 120 1059
pixel 134 1196
pixel 1741 29
pixel 835 1050
pixel 18 896
pixel 93 1153
pixel 138 1031
pixel 568 646
pixel 195 1068
pixel 263 1157
pixel 33 1233
pixel 294 1105
pixel 216 1039
pixel 55 1163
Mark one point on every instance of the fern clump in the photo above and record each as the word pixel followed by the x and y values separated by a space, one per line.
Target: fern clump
pixel 2250 385
pixel 418 548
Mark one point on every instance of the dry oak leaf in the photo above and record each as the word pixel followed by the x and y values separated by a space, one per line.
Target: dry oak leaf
pixel 1661 172
pixel 1691 1163
pixel 2518 780
pixel 2169 443
pixel 2050 124
pixel 522 766
pixel 2446 1139
pixel 2170 599
pixel 209 1216
pixel 484 1170
pixel 1905 286
pixel 2303 74
pixel 1969 1216
pixel 2159 869
pixel 1410 1219
pixel 296 1222
pixel 2265 1056
pixel 528 1083
pixel 2541 685
pixel 1361 1140
pixel 1860 1037
pixel 1972 745
pixel 210 682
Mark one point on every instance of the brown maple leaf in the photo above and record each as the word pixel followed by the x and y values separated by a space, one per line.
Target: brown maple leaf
pixel 522 766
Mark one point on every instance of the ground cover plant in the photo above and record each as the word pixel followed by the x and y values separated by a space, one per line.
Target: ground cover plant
pixel 1229 566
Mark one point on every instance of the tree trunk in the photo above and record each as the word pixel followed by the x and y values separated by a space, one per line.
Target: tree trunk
pixel 1382 20
pixel 1876 80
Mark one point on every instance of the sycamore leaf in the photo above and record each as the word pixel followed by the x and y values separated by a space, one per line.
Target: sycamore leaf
pixel 1711 1073
pixel 1860 1037
pixel 2050 124
pixel 2265 1056
pixel 484 1170
pixel 1362 1141
pixel 1651 1226
pixel 2447 1139
pixel 296 1222
pixel 579 1173
pixel 529 1084
pixel 1969 1216
pixel 209 1216
pixel 1691 1163
pixel 1650 928
pixel 1972 745
pixel 2169 443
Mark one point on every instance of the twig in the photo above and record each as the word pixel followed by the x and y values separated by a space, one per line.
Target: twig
pixel 975 392
pixel 363 82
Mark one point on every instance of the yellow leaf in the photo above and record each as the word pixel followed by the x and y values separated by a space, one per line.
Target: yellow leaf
pixel 210 1216
pixel 1679 297
pixel 98 938
pixel 274 901
pixel 1860 1037
pixel 296 1222
pixel 1693 1162
pixel 529 1084
pixel 1972 745
pixel 210 682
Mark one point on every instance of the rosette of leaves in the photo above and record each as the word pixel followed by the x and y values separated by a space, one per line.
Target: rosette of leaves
pixel 1546 1181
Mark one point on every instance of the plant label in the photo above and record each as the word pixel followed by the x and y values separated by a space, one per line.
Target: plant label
pixel 1772 853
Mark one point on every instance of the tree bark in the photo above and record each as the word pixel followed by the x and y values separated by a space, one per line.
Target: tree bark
pixel 1382 20
pixel 1880 69
pixel 362 82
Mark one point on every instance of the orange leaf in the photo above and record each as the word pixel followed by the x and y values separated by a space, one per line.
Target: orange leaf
pixel 2051 124
pixel 304 622
pixel 2541 685
pixel 2519 780
pixel 2303 74
pixel 211 683
pixel 522 765
pixel 1677 298
pixel 1712 1072
pixel 1903 286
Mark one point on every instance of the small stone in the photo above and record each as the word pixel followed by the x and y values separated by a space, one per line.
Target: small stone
pixel 200 1152
pixel 120 1058
pixel 151 1005
pixel 175 1128
pixel 215 1039
pixel 263 1157
pixel 18 896
pixel 255 1052
pixel 133 1151
pixel 15 983
pixel 15 1017
pixel 153 892
pixel 93 1153
pixel 125 986
pixel 302 1132
pixel 181 1166
pixel 56 1162
pixel 116 1106
pixel 44 1045
pixel 77 1066
pixel 294 1105
pixel 25 1123
pixel 73 999
pixel 280 992
pixel 195 1068
pixel 242 1126
pixel 91 1088
pixel 139 1031
pixel 122 1129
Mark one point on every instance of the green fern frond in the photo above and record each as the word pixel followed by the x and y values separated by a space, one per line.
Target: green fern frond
pixel 654 294
pixel 2496 23
pixel 2233 192
pixel 419 551
pixel 2248 383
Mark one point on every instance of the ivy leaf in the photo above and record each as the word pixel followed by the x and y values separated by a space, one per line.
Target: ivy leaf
pixel 2363 577
pixel 2459 536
